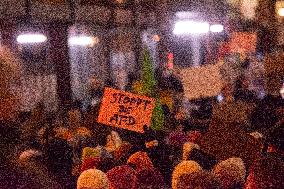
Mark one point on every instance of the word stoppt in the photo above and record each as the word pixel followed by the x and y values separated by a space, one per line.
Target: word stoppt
pixel 130 101
pixel 126 110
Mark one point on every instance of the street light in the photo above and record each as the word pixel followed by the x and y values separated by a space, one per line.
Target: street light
pixel 31 38
pixel 216 28
pixel 83 41
pixel 190 27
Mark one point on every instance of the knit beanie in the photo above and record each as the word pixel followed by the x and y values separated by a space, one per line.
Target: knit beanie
pixel 140 160
pixel 233 169
pixel 92 179
pixel 185 167
pixel 122 177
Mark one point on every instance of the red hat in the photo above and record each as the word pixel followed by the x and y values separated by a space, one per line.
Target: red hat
pixel 122 177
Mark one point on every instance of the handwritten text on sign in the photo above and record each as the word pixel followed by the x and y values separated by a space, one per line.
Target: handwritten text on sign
pixel 126 110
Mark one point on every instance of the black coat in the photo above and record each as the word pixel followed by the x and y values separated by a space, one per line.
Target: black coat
pixel 264 116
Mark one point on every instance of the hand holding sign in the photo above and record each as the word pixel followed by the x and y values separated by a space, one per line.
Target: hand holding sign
pixel 126 110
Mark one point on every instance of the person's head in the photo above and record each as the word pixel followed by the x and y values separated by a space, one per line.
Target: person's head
pixel 113 141
pixel 185 167
pixel 276 139
pixel 259 137
pixel 200 180
pixel 29 155
pixel 88 152
pixel 122 177
pixel 187 148
pixel 90 163
pixel 266 173
pixel 140 160
pixel 123 153
pixel 92 179
pixel 10 73
pixel 149 178
pixel 194 136
pixel 231 172
pixel 180 115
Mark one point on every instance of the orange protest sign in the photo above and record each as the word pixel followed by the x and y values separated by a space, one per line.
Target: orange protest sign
pixel 125 110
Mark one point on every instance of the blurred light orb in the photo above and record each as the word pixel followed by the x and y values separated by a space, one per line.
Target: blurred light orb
pixel 156 38
pixel 282 92
pixel 31 38
pixel 281 12
pixel 216 28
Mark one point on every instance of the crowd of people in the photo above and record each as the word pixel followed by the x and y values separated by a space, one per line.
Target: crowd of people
pixel 70 149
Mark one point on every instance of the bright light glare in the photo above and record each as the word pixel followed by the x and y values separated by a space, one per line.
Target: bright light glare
pixel 191 27
pixel 83 41
pixel 282 92
pixel 31 38
pixel 216 28
pixel 281 12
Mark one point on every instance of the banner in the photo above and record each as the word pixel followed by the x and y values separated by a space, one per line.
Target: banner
pixel 204 81
pixel 234 112
pixel 225 140
pixel 126 110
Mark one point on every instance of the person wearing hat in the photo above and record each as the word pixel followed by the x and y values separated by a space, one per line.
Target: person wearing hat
pixel 266 173
pixel 140 160
pixel 185 167
pixel 275 140
pixel 202 179
pixel 231 172
pixel 122 177
pixel 11 174
pixel 93 179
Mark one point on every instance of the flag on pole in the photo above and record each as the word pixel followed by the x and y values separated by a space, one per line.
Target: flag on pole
pixel 149 88
pixel 148 76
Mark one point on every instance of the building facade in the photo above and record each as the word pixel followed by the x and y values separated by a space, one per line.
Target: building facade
pixel 67 65
pixel 60 70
